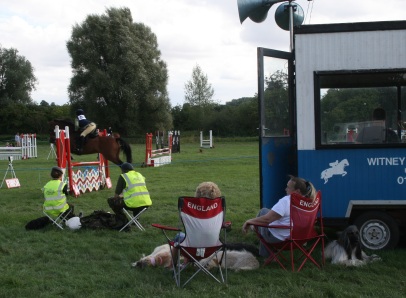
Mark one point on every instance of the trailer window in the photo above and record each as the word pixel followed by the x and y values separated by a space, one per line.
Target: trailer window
pixel 276 97
pixel 361 109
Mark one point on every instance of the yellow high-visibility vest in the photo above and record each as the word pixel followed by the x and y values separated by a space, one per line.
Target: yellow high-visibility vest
pixel 55 200
pixel 135 193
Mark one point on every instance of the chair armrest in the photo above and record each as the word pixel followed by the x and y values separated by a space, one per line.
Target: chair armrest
pixel 167 228
pixel 226 224
pixel 279 227
pixel 271 227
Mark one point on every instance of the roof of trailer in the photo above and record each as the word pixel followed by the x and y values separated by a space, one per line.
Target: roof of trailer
pixel 350 27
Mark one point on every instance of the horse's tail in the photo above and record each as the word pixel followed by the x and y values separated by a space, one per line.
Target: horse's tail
pixel 126 149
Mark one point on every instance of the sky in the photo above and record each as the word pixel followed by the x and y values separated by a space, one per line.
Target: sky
pixel 207 33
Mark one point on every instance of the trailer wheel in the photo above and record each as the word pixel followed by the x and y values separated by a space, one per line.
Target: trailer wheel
pixel 378 230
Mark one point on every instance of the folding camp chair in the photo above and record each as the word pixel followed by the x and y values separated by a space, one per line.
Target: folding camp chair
pixel 133 219
pixel 203 222
pixel 60 219
pixel 306 230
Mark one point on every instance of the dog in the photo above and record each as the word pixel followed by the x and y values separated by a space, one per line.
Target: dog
pixel 347 249
pixel 237 260
pixel 239 257
pixel 161 256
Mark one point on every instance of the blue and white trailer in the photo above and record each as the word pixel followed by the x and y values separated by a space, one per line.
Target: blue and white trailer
pixel 316 110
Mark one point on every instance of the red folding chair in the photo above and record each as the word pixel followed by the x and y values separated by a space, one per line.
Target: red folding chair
pixel 306 232
pixel 203 222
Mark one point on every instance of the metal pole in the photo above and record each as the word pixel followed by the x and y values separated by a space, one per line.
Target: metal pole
pixel 291 25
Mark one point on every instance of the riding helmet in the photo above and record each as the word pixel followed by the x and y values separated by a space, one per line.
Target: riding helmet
pixel 79 112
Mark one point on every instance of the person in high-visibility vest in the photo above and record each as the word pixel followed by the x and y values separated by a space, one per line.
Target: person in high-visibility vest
pixel 55 192
pixel 131 193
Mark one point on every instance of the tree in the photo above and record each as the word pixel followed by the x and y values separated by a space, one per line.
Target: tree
pixel 44 103
pixel 276 101
pixel 198 91
pixel 119 78
pixel 236 118
pixel 17 78
pixel 347 105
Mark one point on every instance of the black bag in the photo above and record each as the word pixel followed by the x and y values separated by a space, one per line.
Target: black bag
pixel 37 224
pixel 99 220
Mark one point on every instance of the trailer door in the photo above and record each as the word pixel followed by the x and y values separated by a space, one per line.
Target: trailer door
pixel 277 131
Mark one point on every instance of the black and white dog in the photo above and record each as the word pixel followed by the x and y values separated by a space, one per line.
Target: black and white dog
pixel 347 249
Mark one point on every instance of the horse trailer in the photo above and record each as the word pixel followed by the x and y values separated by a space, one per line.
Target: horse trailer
pixel 319 106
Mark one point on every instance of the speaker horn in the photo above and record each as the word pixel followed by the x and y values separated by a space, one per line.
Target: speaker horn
pixel 256 10
pixel 282 17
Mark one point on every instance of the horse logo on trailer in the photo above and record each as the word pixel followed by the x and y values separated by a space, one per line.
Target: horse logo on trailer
pixel 336 168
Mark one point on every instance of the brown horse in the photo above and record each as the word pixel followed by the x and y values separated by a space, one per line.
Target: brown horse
pixel 109 146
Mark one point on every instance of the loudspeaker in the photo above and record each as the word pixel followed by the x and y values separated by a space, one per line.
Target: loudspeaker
pixel 282 15
pixel 256 10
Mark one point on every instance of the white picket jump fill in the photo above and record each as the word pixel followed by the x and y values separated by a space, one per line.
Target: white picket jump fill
pixel 206 143
pixel 157 157
pixel 29 146
pixel 14 152
pixel 27 150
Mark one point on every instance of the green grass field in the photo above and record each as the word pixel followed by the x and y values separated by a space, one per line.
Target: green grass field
pixel 84 263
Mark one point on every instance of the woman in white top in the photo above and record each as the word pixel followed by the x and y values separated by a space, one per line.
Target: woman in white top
pixel 280 213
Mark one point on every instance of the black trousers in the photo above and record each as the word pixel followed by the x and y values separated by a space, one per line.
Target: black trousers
pixel 117 205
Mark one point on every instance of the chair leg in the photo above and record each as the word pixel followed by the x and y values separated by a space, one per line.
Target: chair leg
pixel 59 220
pixel 202 268
pixel 177 268
pixel 133 219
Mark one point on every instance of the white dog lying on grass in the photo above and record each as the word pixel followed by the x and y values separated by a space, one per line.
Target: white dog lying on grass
pixel 236 259
pixel 161 256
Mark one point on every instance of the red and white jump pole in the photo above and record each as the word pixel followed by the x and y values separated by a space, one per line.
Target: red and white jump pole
pixel 92 178
pixel 157 157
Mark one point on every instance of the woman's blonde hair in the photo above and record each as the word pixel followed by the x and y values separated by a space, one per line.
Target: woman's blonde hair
pixel 208 190
pixel 306 188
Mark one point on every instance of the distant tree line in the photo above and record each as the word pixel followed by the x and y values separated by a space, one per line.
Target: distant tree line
pixel 236 118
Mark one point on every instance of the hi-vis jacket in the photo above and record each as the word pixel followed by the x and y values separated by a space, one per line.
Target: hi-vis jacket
pixel 55 199
pixel 135 194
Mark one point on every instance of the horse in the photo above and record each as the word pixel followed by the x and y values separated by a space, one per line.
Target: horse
pixel 336 168
pixel 109 146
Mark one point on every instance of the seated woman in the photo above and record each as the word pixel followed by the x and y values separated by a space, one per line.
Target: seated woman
pixel 209 190
pixel 280 213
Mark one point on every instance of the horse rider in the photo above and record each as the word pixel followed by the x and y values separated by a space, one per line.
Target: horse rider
pixel 85 127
